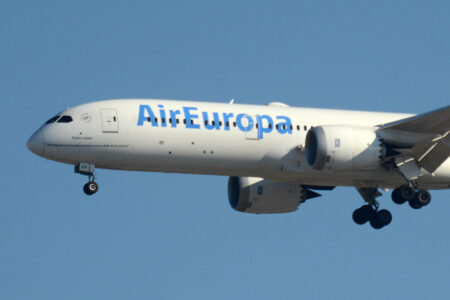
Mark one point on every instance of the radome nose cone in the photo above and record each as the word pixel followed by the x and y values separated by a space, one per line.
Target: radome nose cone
pixel 36 143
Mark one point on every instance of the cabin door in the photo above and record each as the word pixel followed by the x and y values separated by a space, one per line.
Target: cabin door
pixel 109 120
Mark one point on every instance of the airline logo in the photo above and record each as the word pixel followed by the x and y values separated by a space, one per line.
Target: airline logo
pixel 192 118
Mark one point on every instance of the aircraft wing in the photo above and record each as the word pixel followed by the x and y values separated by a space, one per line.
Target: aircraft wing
pixel 425 138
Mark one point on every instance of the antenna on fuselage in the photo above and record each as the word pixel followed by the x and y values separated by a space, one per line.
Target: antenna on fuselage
pixel 232 101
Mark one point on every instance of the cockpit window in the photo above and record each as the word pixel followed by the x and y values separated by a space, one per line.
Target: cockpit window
pixel 52 120
pixel 65 119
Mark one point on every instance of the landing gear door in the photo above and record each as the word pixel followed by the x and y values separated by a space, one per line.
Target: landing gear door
pixel 109 120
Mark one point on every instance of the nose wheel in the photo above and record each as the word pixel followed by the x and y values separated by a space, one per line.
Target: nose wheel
pixel 91 187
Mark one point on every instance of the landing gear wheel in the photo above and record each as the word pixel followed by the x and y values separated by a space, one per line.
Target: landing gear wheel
pixel 422 197
pixel 385 217
pixel 358 217
pixel 376 223
pixel 380 219
pixel 397 196
pixel 363 214
pixel 90 188
pixel 406 192
pixel 414 204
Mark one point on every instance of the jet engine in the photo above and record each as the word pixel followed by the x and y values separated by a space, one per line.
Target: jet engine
pixel 260 196
pixel 343 148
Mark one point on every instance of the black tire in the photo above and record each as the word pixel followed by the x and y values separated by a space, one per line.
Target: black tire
pixel 406 192
pixel 385 217
pixel 86 190
pixel 414 204
pixel 422 197
pixel 363 214
pixel 376 223
pixel 397 197
pixel 358 217
pixel 90 188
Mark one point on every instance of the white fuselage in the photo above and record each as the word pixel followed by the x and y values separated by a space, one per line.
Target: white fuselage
pixel 244 140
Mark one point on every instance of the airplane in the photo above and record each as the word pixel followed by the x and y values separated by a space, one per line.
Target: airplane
pixel 276 156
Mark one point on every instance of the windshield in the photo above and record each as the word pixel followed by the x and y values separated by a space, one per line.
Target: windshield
pixel 52 120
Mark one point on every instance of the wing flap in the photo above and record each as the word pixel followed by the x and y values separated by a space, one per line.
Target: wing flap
pixel 431 155
pixel 422 141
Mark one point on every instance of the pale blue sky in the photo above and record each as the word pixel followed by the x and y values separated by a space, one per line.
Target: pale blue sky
pixel 168 236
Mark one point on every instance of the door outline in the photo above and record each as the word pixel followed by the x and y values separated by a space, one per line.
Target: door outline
pixel 110 121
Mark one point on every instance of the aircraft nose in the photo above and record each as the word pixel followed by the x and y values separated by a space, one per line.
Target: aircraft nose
pixel 36 143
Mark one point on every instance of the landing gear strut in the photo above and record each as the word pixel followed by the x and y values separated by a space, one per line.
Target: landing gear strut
pixel 370 212
pixel 91 187
pixel 416 198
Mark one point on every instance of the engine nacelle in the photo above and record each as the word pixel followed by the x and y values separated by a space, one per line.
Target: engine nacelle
pixel 343 148
pixel 259 196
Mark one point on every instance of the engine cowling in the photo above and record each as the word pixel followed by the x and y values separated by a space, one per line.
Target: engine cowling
pixel 343 148
pixel 260 196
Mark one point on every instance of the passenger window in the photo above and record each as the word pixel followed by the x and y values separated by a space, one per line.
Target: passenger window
pixel 65 119
pixel 52 120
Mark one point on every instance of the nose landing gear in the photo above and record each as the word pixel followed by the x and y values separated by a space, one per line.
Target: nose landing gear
pixel 91 187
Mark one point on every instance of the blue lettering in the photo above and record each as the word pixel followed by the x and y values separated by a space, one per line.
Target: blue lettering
pixel 162 114
pixel 214 124
pixel 145 115
pixel 284 127
pixel 261 125
pixel 241 126
pixel 173 116
pixel 226 120
pixel 190 118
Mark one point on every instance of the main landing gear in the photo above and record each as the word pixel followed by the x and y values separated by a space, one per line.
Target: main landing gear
pixel 368 213
pixel 379 218
pixel 91 187
pixel 416 198
pixel 371 212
